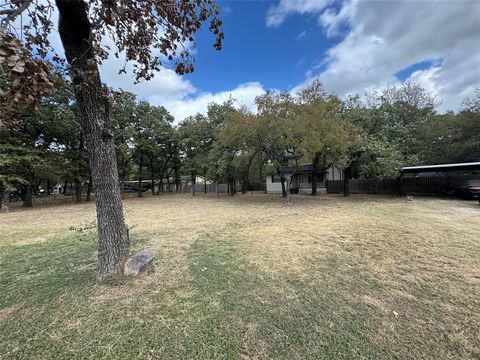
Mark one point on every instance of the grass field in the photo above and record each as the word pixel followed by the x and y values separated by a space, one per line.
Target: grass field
pixel 325 277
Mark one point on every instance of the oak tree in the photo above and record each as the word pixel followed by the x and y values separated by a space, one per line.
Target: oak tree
pixel 148 33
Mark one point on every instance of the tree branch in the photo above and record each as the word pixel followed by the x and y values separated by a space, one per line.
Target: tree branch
pixel 11 14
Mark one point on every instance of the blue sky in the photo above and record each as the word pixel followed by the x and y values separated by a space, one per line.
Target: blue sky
pixel 351 46
pixel 276 57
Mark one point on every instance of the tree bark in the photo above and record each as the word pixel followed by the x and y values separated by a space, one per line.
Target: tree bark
pixel 176 171
pixel 152 172
pixel 164 170
pixel 205 180
pixel 5 198
pixel 160 185
pixel 92 112
pixel 315 163
pixel 28 200
pixel 168 181
pixel 192 188
pixel 284 191
pixel 246 175
pixel 288 188
pixel 78 190
pixel 233 187
pixel 282 181
pixel 347 174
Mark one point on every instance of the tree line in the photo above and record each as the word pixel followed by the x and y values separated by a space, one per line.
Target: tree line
pixel 368 137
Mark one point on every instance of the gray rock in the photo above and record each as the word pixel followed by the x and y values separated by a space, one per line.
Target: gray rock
pixel 184 246
pixel 139 262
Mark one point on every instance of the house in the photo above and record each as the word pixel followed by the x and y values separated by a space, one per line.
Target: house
pixel 302 178
pixel 67 188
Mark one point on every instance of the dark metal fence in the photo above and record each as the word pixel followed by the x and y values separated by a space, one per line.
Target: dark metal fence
pixel 404 185
pixel 224 188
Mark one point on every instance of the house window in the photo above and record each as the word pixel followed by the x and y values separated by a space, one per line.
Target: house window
pixel 310 178
pixel 276 178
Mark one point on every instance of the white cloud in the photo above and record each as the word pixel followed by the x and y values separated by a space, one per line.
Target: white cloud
pixel 301 35
pixel 383 38
pixel 244 94
pixel 225 9
pixel 166 85
pixel 278 13
pixel 174 92
pixel 332 20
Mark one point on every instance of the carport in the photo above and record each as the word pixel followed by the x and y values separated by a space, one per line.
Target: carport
pixel 446 168
pixel 472 166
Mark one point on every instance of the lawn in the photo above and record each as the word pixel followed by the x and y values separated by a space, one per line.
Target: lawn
pixel 326 277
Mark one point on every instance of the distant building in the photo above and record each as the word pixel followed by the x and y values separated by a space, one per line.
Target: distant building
pixel 302 178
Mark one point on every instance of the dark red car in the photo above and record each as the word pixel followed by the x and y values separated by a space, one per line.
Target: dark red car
pixel 470 189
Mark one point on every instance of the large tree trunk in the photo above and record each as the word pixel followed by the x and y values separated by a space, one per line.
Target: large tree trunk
pixel 164 170
pixel 168 181
pixel 284 191
pixel 288 188
pixel 92 112
pixel 160 188
pixel 5 199
pixel 176 171
pixel 233 187
pixel 78 190
pixel 282 182
pixel 160 184
pixel 347 174
pixel 28 200
pixel 315 163
pixel 152 173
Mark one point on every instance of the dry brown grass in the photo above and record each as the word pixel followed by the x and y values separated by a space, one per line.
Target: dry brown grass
pixel 406 273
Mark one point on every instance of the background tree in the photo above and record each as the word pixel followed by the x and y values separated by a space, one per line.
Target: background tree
pixel 13 161
pixel 51 138
pixel 230 134
pixel 466 139
pixel 275 110
pixel 135 28
pixel 319 132
pixel 196 140
pixel 165 143
pixel 123 112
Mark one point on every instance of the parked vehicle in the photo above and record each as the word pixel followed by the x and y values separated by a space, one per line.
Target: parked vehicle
pixel 470 189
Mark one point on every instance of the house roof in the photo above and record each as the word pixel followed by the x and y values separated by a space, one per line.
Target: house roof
pixel 441 167
pixel 299 168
